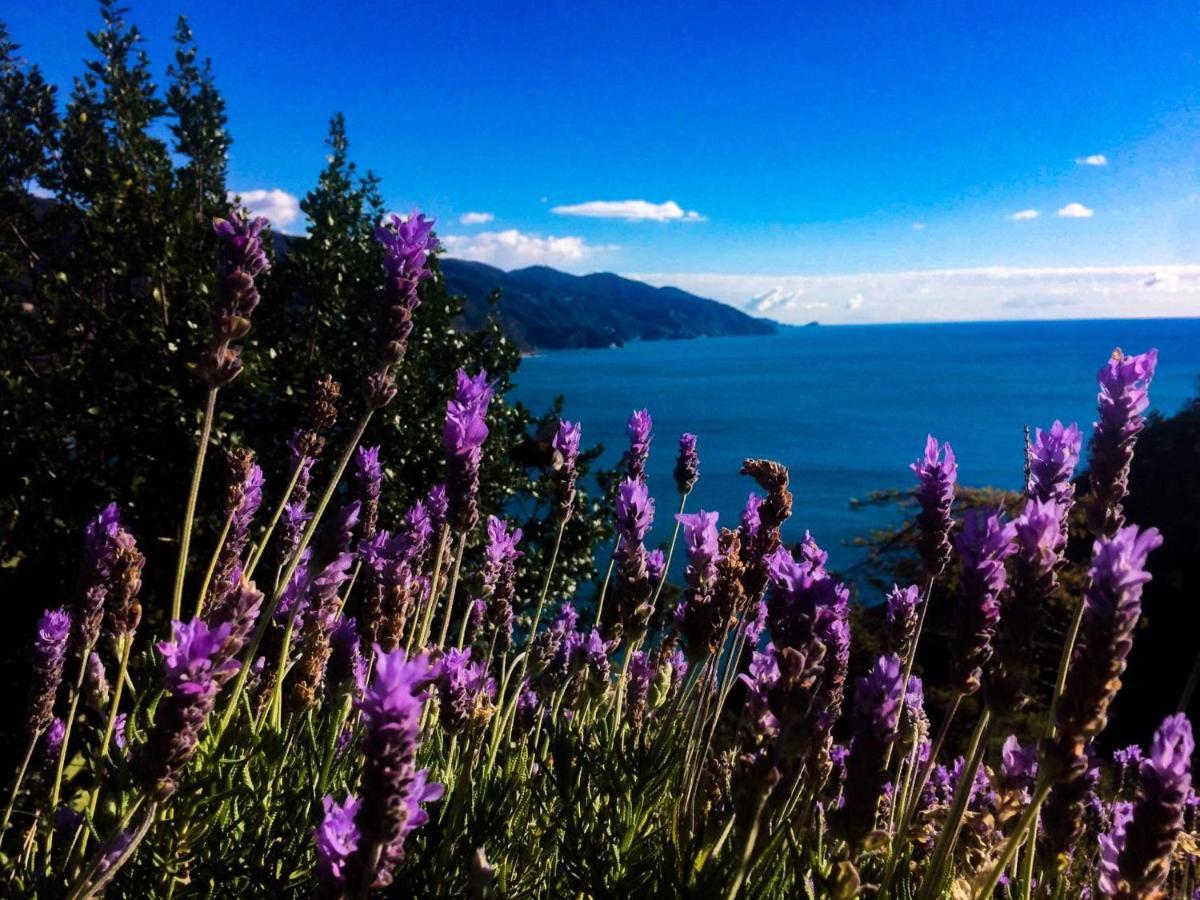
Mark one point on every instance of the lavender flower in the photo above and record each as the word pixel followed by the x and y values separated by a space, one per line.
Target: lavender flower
pixel 983 545
pixel 566 443
pixel 95 576
pixel 761 522
pixel 1039 553
pixel 1018 765
pixel 876 717
pixel 591 657
pixel 1123 398
pixel 632 591
pixel 393 789
pixel 639 429
pixel 656 566
pixel 714 592
pixel 337 839
pixel 368 483
pixel 51 746
pixel 462 439
pixel 346 663
pixel 465 692
pixel 902 608
pixel 243 496
pixel 529 712
pixel 95 684
pixel 1144 848
pixel 1053 456
pixel 406 245
pixel 641 674
pixel 936 473
pixel 242 259
pixel 496 582
pixel 49 656
pixel 192 674
pixel 240 613
pixel 687 466
pixel 1112 607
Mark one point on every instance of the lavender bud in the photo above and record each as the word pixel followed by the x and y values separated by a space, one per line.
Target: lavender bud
pixel 1123 398
pixel 983 546
pixel 49 656
pixel 639 430
pixel 687 466
pixel 936 473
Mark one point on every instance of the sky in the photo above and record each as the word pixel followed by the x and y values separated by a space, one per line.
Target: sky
pixel 839 162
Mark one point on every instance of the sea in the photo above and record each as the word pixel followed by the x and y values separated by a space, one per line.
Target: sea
pixel 847 407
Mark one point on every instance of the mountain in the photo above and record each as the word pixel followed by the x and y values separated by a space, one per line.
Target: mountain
pixel 544 309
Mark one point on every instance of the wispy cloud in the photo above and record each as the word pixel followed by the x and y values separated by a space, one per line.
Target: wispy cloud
pixel 1096 159
pixel 918 226
pixel 630 211
pixel 1075 211
pixel 1024 215
pixel 511 248
pixel 279 207
pixel 945 295
pixel 475 218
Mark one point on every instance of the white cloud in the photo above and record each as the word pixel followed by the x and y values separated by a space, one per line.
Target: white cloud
pixel 280 208
pixel 511 249
pixel 1096 159
pixel 630 211
pixel 475 218
pixel 949 295
pixel 1024 215
pixel 1075 211
pixel 918 226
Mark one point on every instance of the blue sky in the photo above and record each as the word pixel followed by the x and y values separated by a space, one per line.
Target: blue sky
pixel 844 162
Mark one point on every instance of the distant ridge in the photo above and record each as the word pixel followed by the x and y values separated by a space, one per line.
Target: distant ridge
pixel 545 309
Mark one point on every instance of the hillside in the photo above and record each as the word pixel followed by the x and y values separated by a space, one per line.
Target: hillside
pixel 542 308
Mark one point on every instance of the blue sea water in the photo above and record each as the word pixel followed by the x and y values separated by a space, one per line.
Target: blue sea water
pixel 847 408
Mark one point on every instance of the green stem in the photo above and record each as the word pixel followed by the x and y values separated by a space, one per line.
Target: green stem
pixel 72 708
pixel 953 824
pixel 33 739
pixel 1064 662
pixel 212 565
pixel 451 591
pixel 1014 840
pixel 185 539
pixel 274 523
pixel 267 616
pixel 923 776
pixel 423 619
pixel 85 889
pixel 670 551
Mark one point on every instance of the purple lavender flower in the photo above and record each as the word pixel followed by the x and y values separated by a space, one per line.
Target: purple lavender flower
pixel 1053 456
pixel 876 717
pixel 656 566
pixel 639 429
pixel 1112 607
pixel 1144 847
pixel 346 663
pixel 465 691
pixel 591 656
pixel 243 496
pixel 392 788
pixel 701 545
pixel 51 746
pixel 634 509
pixel 566 443
pixel 192 675
pixel 983 545
pixel 49 656
pixel 1128 765
pixel 496 581
pixel 632 590
pixel 1123 398
pixel 902 608
pixel 368 483
pixel 406 245
pixel 462 439
pixel 95 576
pixel 750 519
pixel 242 259
pixel 1039 554
pixel 936 473
pixel 337 839
pixel 1111 845
pixel 1018 765
pixel 687 466
pixel 95 684
pixel 641 673
pixel 529 712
